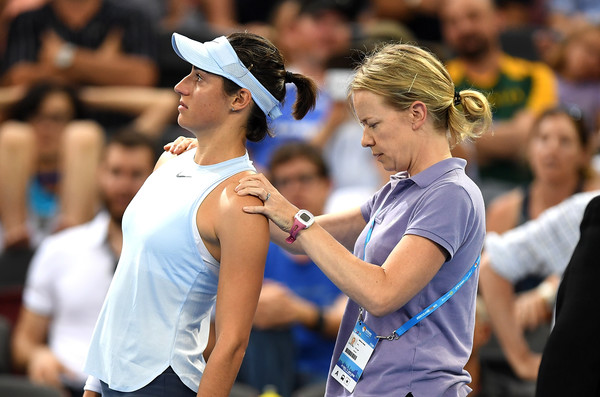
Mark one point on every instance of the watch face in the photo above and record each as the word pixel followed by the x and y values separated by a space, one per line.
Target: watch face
pixel 305 217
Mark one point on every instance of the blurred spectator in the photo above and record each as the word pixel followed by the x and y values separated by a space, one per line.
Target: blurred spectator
pixel 192 18
pixel 518 90
pixel 312 34
pixel 558 152
pixel 570 364
pixel 72 270
pixel 257 16
pixel 559 157
pixel 566 16
pixel 48 158
pixel 518 14
pixel 420 16
pixel 299 310
pixel 541 247
pixel 97 42
pixel 522 24
pixel 576 62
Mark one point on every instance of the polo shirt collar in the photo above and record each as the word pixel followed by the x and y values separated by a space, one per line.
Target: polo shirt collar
pixel 429 175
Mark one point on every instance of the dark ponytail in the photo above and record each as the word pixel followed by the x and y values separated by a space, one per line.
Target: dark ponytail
pixel 266 63
pixel 307 94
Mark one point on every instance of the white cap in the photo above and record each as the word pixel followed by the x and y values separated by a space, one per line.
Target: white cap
pixel 219 57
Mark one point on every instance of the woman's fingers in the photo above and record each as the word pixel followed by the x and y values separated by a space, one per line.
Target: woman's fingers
pixel 253 185
pixel 275 206
pixel 180 145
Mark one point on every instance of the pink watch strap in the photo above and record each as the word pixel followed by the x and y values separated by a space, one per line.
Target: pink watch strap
pixel 296 227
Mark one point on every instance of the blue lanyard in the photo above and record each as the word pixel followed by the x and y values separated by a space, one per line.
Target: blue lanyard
pixel 431 308
pixel 370 231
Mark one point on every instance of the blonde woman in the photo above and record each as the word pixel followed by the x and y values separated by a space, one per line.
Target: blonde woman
pixel 407 258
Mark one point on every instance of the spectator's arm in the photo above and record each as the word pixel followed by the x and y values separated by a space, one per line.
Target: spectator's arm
pixel 9 96
pixel 30 334
pixel 502 213
pixel 499 297
pixel 25 73
pixel 337 115
pixel 325 320
pixel 279 306
pixel 534 307
pixel 506 140
pixel 108 65
pixel 30 351
pixel 153 108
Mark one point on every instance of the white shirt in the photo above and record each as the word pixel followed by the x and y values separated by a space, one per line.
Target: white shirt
pixel 67 281
pixel 542 246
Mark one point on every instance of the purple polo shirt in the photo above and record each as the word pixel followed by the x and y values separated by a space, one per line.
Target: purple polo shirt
pixel 443 205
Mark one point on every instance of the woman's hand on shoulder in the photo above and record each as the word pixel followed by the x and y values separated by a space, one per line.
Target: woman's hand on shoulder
pixel 275 207
pixel 180 145
pixel 173 149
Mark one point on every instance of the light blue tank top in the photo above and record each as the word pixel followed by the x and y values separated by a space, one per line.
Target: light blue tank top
pixel 157 310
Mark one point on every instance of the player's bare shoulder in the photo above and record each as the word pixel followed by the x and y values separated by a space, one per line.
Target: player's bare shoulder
pixel 229 199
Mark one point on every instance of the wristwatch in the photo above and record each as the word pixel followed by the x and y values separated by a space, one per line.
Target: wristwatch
pixel 64 56
pixel 302 220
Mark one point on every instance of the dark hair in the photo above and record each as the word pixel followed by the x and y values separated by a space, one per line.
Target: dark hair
pixel 293 150
pixel 266 63
pixel 31 102
pixel 573 113
pixel 132 139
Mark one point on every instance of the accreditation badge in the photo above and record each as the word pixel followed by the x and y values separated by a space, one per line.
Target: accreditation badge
pixel 354 357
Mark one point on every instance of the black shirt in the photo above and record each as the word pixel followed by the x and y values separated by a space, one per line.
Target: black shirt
pixel 27 29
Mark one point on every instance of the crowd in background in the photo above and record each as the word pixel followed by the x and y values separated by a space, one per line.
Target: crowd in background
pixel 84 84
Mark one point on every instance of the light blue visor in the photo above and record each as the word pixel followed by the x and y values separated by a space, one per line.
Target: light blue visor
pixel 219 57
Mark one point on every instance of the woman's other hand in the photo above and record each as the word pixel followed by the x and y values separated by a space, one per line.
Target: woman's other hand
pixel 181 144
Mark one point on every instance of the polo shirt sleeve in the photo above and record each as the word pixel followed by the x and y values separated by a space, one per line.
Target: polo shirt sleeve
pixel 444 215
pixel 539 247
pixel 38 295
